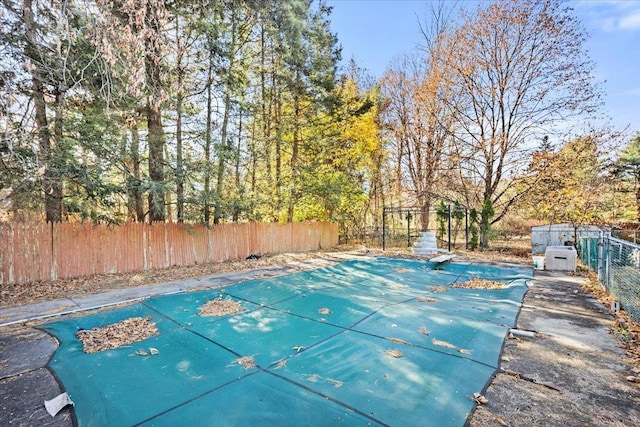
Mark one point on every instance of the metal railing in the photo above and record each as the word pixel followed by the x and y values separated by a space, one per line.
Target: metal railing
pixel 617 263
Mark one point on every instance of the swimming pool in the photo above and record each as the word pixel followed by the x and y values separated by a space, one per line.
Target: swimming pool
pixel 389 342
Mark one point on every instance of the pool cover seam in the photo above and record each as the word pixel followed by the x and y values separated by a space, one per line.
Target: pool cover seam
pixel 194 398
pixel 326 396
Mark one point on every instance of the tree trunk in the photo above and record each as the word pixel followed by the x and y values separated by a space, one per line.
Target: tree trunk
pixel 179 162
pixel 50 183
pixel 425 211
pixel 266 105
pixel 225 146
pixel 236 209
pixel 207 144
pixel 222 157
pixel 136 209
pixel 179 159
pixel 278 128
pixel 156 163
pixel 293 196
pixel 154 118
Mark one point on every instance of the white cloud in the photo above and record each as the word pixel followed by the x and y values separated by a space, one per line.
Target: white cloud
pixel 608 15
pixel 630 22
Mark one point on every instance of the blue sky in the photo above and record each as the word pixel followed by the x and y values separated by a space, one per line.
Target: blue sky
pixel 373 32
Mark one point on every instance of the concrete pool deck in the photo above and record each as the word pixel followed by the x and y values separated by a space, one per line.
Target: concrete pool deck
pixel 571 373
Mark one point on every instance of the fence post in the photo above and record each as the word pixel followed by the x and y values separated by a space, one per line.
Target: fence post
pixel 54 251
pixel 384 226
pixel 607 245
pixel 466 229
pixel 600 258
pixel 449 229
pixel 145 254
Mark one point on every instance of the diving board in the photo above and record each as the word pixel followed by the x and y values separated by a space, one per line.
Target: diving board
pixel 442 258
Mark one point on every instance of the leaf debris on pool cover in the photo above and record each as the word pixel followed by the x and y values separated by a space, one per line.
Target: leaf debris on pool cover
pixel 477 283
pixel 116 335
pixel 246 362
pixel 394 353
pixel 220 307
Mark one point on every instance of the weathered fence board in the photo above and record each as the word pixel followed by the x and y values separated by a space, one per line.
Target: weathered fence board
pixel 34 251
pixel 26 252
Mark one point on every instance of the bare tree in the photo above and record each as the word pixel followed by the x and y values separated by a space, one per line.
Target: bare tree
pixel 520 71
pixel 419 114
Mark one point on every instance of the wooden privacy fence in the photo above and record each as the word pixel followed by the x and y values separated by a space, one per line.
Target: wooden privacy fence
pixel 34 252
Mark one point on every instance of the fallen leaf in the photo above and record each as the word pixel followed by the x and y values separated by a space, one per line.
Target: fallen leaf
pixel 335 383
pixel 246 362
pixel 394 353
pixel 442 343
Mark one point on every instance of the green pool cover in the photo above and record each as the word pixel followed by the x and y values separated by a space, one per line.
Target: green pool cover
pixel 363 343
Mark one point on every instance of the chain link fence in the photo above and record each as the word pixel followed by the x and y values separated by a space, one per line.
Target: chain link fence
pixel 617 263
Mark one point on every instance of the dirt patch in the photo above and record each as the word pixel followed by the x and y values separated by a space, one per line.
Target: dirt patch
pixel 220 307
pixel 477 283
pixel 117 335
pixel 437 289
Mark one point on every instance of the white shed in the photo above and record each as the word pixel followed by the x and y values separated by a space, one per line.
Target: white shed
pixel 559 235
